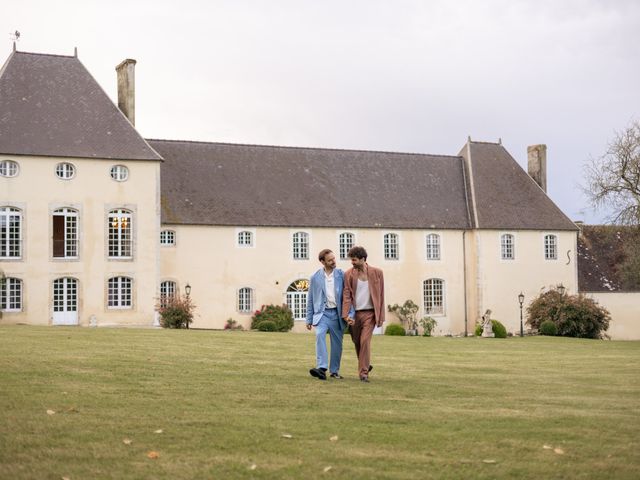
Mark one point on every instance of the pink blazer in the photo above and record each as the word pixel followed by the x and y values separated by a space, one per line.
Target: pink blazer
pixel 376 288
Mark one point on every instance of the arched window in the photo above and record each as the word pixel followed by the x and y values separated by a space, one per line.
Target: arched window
pixel 10 294
pixel 433 246
pixel 550 247
pixel 245 238
pixel 10 232
pixel 245 300
pixel 391 246
pixel 120 293
pixel 297 298
pixel 167 238
pixel 346 241
pixel 65 233
pixel 120 234
pixel 168 290
pixel 301 246
pixel 8 168
pixel 433 292
pixel 507 246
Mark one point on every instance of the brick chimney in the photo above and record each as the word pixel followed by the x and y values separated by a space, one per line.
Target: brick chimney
pixel 537 155
pixel 127 89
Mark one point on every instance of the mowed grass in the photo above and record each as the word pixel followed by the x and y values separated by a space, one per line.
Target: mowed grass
pixel 456 408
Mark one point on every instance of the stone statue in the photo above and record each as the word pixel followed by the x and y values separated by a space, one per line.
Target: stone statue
pixel 487 328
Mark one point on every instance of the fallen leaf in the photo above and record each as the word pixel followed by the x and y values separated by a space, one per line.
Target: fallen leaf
pixel 64 393
pixel 72 410
pixel 547 447
pixel 66 478
pixel 488 461
pixel 51 412
pixel 326 469
pixel 158 431
pixel 287 435
pixel 253 466
pixel 334 438
pixel 153 455
pixel 126 441
pixel 559 451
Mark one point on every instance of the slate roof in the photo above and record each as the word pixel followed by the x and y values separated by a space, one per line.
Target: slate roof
pixel 227 184
pixel 506 196
pixel 50 105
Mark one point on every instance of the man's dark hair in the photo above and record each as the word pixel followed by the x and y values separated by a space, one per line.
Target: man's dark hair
pixel 323 253
pixel 357 252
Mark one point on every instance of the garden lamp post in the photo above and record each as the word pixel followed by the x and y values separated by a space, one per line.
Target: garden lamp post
pixel 561 289
pixel 187 292
pixel 521 301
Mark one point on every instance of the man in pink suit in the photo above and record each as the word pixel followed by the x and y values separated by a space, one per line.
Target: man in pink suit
pixel 363 306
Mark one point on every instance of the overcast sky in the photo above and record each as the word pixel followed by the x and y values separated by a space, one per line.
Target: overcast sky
pixel 399 75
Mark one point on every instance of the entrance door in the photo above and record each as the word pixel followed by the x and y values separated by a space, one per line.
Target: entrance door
pixel 65 301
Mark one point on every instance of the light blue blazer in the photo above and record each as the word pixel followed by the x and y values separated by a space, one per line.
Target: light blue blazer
pixel 317 297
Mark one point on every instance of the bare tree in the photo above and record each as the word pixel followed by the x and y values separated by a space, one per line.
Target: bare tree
pixel 613 180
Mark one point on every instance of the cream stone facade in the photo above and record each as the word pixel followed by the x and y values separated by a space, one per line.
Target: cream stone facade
pixel 624 308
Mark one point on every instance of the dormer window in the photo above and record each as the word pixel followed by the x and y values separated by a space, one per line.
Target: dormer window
pixel 8 168
pixel 119 173
pixel 65 170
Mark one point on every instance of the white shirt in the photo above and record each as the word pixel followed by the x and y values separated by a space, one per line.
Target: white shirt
pixel 363 296
pixel 330 289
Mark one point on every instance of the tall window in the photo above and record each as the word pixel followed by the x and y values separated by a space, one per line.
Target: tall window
pixel 120 241
pixel 65 233
pixel 346 241
pixel 433 292
pixel 168 290
pixel 10 294
pixel 65 170
pixel 297 298
pixel 245 238
pixel 119 294
pixel 8 168
pixel 433 246
pixel 245 300
pixel 507 246
pixel 10 232
pixel 550 247
pixel 391 247
pixel 167 237
pixel 301 246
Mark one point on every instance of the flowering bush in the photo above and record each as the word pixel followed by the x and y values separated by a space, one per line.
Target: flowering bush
pixel 280 315
pixel 176 311
pixel 233 325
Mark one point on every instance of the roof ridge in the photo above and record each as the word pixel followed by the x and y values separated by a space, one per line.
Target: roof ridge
pixel 486 143
pixel 301 148
pixel 45 54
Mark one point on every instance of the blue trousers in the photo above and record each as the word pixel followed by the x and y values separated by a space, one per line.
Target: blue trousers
pixel 329 323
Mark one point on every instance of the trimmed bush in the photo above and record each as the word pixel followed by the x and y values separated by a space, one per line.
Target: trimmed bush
pixel 175 311
pixel 499 330
pixel 395 329
pixel 267 326
pixel 280 315
pixel 548 328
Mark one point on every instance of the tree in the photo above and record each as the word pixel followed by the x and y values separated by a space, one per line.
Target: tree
pixel 613 180
pixel 406 313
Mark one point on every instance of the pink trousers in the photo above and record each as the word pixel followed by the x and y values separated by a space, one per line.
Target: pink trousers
pixel 361 333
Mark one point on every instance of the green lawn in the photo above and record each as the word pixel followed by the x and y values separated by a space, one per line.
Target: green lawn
pixel 225 402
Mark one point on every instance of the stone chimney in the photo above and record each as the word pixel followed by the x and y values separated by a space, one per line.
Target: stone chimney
pixel 127 89
pixel 537 155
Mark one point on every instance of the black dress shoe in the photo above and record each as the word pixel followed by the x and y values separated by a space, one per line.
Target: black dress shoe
pixel 370 368
pixel 319 374
pixel 336 375
pixel 364 379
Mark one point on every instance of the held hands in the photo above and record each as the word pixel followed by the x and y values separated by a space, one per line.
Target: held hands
pixel 349 320
pixel 308 326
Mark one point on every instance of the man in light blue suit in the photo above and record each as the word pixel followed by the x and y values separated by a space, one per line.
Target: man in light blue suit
pixel 324 307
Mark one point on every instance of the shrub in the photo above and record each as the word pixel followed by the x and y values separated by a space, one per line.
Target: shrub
pixel 406 313
pixel 175 311
pixel 267 326
pixel 548 328
pixel 280 315
pixel 573 315
pixel 232 325
pixel 428 324
pixel 395 329
pixel 499 330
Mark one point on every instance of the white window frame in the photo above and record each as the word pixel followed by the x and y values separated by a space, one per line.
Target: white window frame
pixel 433 293
pixel 296 298
pixel 546 248
pixel 120 287
pixel 501 237
pixel 391 249
pixel 119 234
pixel 11 294
pixel 300 245
pixel 10 238
pixel 168 289
pixel 245 300
pixel 245 238
pixel 344 246
pixel 438 246
pixel 9 168
pixel 119 173
pixel 71 233
pixel 65 170
pixel 167 237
